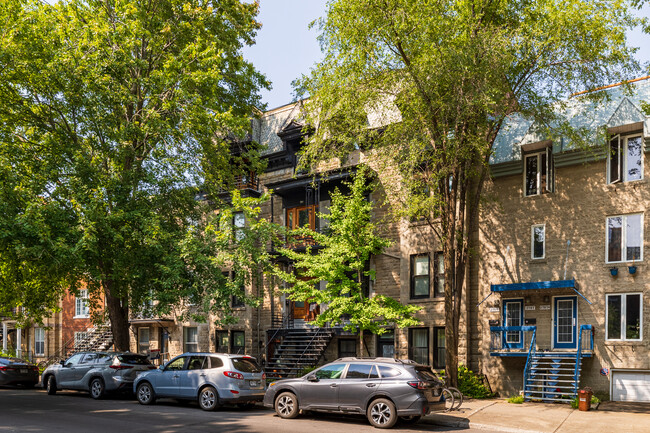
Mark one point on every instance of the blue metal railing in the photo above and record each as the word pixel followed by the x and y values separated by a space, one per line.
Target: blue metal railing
pixel 576 374
pixel 498 336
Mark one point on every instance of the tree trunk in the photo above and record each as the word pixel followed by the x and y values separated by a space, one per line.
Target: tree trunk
pixel 361 342
pixel 118 312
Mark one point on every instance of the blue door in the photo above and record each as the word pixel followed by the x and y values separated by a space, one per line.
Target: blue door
pixel 513 315
pixel 565 322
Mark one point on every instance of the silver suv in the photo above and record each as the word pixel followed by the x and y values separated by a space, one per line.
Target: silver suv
pixel 96 372
pixel 211 378
pixel 383 389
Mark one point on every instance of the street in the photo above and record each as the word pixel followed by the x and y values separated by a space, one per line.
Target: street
pixel 23 410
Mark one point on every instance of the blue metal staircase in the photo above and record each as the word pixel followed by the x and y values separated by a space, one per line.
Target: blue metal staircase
pixel 554 376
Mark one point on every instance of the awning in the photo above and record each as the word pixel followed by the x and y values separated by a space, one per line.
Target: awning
pixel 152 321
pixel 538 285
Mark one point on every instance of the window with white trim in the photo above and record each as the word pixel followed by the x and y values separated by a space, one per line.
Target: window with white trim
pixel 625 159
pixel 539 172
pixel 538 241
pixel 239 222
pixel 624 238
pixel 191 339
pixel 39 341
pixel 81 304
pixel 625 316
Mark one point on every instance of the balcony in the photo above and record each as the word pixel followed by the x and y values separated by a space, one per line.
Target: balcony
pixel 508 341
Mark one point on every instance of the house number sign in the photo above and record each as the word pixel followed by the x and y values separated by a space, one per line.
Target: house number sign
pixel 544 307
pixel 529 308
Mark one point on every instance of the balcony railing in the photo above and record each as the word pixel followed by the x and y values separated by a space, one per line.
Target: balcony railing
pixel 514 340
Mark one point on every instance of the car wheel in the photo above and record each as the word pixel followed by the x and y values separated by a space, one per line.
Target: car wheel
pixel 51 385
pixel 208 398
pixel 97 388
pixel 286 405
pixel 145 393
pixel 381 413
pixel 410 419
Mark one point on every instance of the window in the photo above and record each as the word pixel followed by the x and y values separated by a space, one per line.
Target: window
pixel 389 371
pixel 81 304
pixel 143 340
pixel 333 371
pixel 347 348
pixel 419 276
pixel 238 342
pixel 216 362
pixel 79 338
pixel 538 241
pixel 197 363
pixel 439 347
pixel 419 345
pixel 625 238
pixel 539 177
pixel 625 159
pixel 439 274
pixel 239 222
pixel 222 341
pixel 362 371
pixel 39 341
pixel 386 344
pixel 301 216
pixel 191 339
pixel 176 364
pixel 624 317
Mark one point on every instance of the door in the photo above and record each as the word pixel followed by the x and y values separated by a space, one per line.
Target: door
pixel 299 309
pixel 565 322
pixel 322 392
pixel 361 381
pixel 66 374
pixel 168 382
pixel 193 377
pixel 513 315
pixel 79 379
pixel 631 386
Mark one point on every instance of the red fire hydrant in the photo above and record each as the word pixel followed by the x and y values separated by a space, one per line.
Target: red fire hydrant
pixel 584 399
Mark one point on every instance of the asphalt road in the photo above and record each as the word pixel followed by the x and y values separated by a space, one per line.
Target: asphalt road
pixel 23 410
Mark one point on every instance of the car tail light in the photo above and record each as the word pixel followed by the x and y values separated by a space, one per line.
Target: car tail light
pixel 417 384
pixel 34 368
pixel 233 375
pixel 121 367
pixel 263 376
pixel 234 392
pixel 5 368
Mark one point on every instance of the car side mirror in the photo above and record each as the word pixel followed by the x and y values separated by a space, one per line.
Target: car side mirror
pixel 62 363
pixel 312 377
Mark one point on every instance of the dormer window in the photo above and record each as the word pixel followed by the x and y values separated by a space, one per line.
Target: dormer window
pixel 539 176
pixel 625 159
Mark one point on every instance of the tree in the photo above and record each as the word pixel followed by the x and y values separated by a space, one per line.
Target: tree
pixel 114 116
pixel 339 257
pixel 426 87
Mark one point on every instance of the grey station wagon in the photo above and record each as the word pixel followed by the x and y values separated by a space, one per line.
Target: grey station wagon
pixel 96 372
pixel 383 389
pixel 211 378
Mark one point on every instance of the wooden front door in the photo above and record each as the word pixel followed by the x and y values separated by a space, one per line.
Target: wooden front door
pixel 300 309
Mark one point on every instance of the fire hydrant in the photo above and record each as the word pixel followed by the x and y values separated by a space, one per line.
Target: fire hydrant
pixel 584 399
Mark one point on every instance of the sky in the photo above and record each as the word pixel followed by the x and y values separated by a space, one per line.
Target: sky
pixel 286 48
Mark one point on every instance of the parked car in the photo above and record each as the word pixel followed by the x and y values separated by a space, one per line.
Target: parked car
pixel 16 371
pixel 213 379
pixel 96 372
pixel 383 389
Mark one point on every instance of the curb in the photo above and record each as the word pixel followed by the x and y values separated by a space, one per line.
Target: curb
pixel 466 423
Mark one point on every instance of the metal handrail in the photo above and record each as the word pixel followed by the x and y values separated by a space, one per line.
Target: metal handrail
pixel 531 353
pixel 308 345
pixel 579 354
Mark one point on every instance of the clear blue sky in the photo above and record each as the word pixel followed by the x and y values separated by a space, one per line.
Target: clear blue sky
pixel 286 48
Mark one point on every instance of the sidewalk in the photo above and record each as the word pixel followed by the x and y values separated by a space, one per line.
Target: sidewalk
pixel 497 414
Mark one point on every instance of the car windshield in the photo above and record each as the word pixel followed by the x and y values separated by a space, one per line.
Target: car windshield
pixel 246 365
pixel 134 359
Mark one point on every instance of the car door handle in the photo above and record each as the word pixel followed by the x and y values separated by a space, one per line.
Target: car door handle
pixel 176 376
pixel 370 385
pixel 202 375
pixel 333 385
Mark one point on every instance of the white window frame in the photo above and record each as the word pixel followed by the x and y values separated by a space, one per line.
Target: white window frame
pixel 142 345
pixel 239 223
pixel 532 242
pixel 623 238
pixel 39 339
pixel 81 308
pixel 186 341
pixel 550 171
pixel 623 312
pixel 622 158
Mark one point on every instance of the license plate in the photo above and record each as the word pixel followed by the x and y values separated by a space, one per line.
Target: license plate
pixel 253 383
pixel 23 371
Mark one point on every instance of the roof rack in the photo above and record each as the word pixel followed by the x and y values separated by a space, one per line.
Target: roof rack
pixel 376 359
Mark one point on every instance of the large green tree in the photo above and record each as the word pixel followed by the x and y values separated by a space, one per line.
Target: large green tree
pixel 114 116
pixel 427 86
pixel 340 258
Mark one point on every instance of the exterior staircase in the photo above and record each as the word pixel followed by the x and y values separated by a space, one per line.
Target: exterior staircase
pixel 97 339
pixel 299 348
pixel 552 376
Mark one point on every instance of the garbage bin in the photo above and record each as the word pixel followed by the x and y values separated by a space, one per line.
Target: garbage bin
pixel 584 399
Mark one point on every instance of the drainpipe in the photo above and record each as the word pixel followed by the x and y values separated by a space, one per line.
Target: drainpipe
pixel 4 336
pixel 19 342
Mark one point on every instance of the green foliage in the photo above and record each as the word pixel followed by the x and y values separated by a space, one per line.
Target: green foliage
pixel 516 399
pixel 471 385
pixel 307 370
pixel 114 116
pixel 341 259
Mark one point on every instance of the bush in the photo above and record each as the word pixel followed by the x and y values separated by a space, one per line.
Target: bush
pixel 516 399
pixel 471 384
